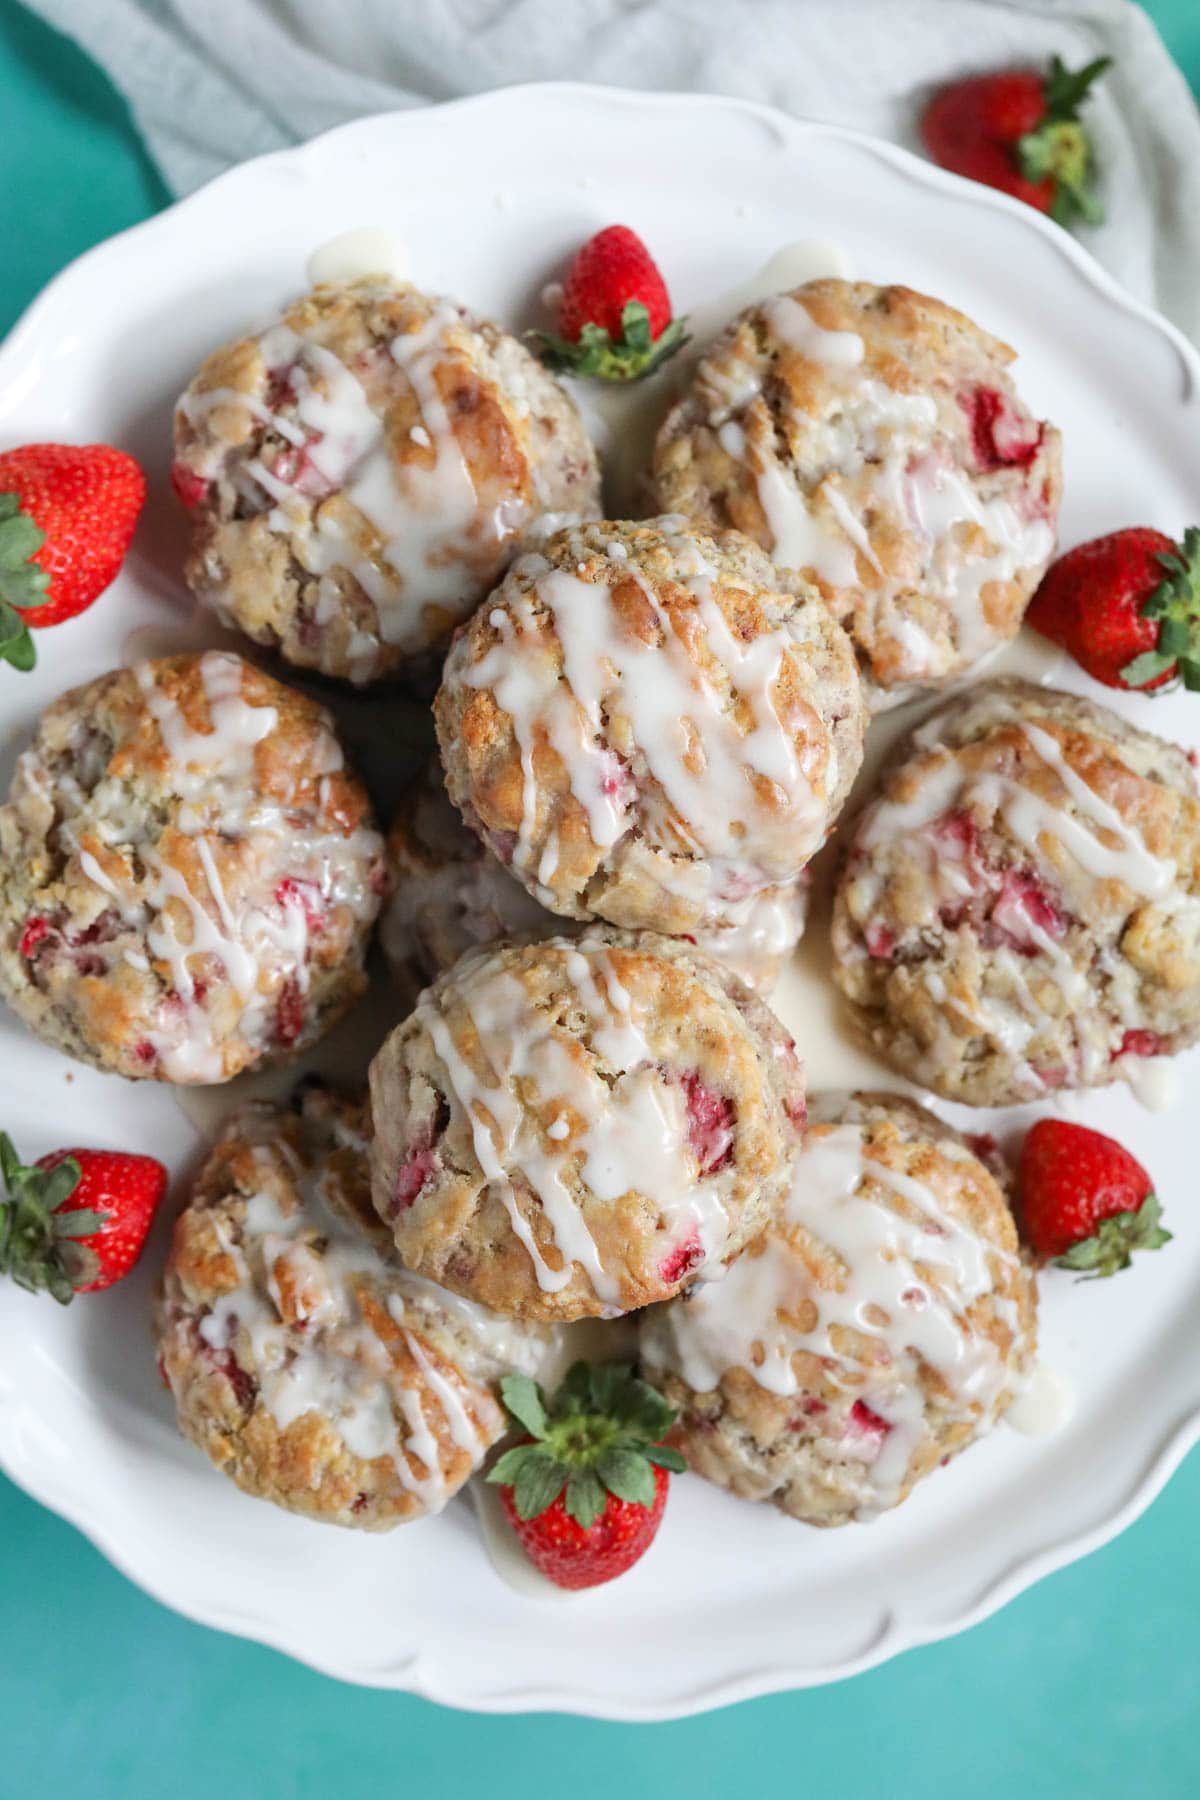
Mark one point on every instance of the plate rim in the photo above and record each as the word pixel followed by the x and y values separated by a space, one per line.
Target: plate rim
pixel 894 1635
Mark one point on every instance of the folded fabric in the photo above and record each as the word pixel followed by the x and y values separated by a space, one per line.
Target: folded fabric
pixel 211 84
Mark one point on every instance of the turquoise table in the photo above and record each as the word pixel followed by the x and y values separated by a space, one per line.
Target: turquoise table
pixel 1084 1687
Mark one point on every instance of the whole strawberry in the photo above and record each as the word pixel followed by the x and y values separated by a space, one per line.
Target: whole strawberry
pixel 1019 131
pixel 614 317
pixel 76 1221
pixel 1087 1204
pixel 585 1491
pixel 1127 607
pixel 67 513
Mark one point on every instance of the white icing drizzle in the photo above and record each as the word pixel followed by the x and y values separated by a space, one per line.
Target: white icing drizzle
pixel 792 321
pixel 1151 876
pixel 214 772
pixel 799 538
pixel 237 726
pixel 882 449
pixel 335 1365
pixel 629 1136
pixel 431 532
pixel 940 499
pixel 700 761
pixel 749 1319
pixel 1029 816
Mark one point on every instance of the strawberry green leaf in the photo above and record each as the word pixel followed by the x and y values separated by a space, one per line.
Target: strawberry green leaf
pixel 539 1483
pixel 79 1224
pixel 1175 604
pixel 586 1498
pixel 629 357
pixel 506 1468
pixel 575 1391
pixel 1059 149
pixel 59 1183
pixel 1066 89
pixel 665 1457
pixel 1111 1247
pixel 16 643
pixel 31 1252
pixel 10 1162
pixel 1146 668
pixel 608 1385
pixel 643 1410
pixel 526 1402
pixel 79 1264
pixel 22 582
pixel 628 1476
pixel 20 538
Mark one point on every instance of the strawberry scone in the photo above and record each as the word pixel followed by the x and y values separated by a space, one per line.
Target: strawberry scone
pixel 188 872
pixel 450 894
pixel 360 473
pixel 574 1128
pixel 302 1359
pixel 885 1323
pixel 648 729
pixel 872 438
pixel 1019 909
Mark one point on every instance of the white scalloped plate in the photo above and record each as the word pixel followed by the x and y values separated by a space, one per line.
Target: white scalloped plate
pixel 490 194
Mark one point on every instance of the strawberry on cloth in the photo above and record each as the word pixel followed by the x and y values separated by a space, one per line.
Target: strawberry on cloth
pixel 1020 131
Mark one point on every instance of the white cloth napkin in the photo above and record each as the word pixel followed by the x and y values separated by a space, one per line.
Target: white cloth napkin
pixel 211 82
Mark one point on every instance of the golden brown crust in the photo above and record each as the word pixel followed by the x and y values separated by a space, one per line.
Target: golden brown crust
pixel 311 550
pixel 268 1303
pixel 536 763
pixel 188 872
pixel 811 1436
pixel 634 1108
pixel 1017 912
pixel 907 425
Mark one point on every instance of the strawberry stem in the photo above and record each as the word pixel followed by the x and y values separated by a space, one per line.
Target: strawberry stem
pixel 22 582
pixel 1059 149
pixel 1112 1245
pixel 1175 604
pixel 35 1238
pixel 597 1437
pixel 629 357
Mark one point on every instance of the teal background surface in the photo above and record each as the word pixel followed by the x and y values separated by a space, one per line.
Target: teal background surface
pixel 1086 1686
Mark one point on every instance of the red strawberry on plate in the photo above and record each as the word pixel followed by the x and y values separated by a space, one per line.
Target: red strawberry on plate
pixel 67 513
pixel 1087 1204
pixel 1127 607
pixel 585 1490
pixel 1019 131
pixel 76 1221
pixel 614 317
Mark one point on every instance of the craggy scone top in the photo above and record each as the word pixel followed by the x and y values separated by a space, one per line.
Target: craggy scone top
pixel 872 438
pixel 360 473
pixel 575 1128
pixel 313 1369
pixel 647 728
pixel 188 872
pixel 1019 909
pixel 881 1325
